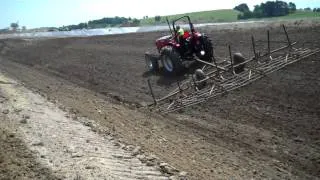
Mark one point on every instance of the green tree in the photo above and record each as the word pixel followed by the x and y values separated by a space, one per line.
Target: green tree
pixel 157 18
pixel 292 7
pixel 271 9
pixel 136 21
pixel 14 26
pixel 258 11
pixel 242 8
pixel 267 9
pixel 307 9
pixel 82 26
pixel 281 8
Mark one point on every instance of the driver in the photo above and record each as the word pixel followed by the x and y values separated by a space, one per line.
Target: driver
pixel 181 40
pixel 180 33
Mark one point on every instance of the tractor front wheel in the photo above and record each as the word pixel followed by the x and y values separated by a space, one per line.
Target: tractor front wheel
pixel 171 61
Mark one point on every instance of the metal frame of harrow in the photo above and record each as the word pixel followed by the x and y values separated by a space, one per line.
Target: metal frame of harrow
pixel 221 77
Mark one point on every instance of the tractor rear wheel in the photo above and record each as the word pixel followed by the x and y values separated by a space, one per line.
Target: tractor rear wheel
pixel 171 61
pixel 238 59
pixel 208 49
pixel 151 62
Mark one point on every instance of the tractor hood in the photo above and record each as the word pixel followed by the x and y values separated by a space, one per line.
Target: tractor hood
pixel 163 41
pixel 164 38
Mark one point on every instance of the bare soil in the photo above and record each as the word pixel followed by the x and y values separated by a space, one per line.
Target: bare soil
pixel 269 129
pixel 16 160
pixel 46 142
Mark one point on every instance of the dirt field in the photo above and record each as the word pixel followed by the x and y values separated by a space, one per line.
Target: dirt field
pixel 269 129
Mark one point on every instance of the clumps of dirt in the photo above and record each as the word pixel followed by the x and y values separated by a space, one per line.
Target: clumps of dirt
pixel 146 158
pixel 16 161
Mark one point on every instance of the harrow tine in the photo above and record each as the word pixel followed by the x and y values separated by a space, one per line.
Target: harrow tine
pixel 170 105
pixel 231 60
pixel 213 86
pixel 285 31
pixel 151 91
pixel 203 68
pixel 268 32
pixel 286 59
pixel 254 48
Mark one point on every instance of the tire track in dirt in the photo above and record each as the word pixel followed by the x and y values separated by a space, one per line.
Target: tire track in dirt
pixel 65 145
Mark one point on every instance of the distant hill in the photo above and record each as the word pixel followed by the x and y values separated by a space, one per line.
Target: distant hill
pixel 226 15
pixel 222 15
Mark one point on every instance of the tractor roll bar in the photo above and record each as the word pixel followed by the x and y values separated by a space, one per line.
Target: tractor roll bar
pixel 169 25
pixel 190 24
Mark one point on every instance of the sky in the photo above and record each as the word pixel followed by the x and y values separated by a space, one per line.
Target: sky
pixel 56 13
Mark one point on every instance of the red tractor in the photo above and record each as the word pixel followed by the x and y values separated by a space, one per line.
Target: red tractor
pixel 176 51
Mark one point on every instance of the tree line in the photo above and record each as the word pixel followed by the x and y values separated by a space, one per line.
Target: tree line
pixel 107 22
pixel 315 9
pixel 267 9
pixel 15 27
pixel 102 23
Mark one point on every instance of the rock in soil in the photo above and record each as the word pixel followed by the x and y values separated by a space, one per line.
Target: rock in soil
pixel 136 151
pixel 26 116
pixel 6 111
pixel 23 121
pixel 167 169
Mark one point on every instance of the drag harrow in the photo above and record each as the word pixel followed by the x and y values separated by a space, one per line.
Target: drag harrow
pixel 224 75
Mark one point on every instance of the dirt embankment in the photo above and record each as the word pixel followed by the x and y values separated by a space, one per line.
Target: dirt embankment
pixel 45 142
pixel 16 160
pixel 266 130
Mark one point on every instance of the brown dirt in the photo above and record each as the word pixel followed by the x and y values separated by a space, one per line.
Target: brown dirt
pixel 16 160
pixel 64 142
pixel 269 129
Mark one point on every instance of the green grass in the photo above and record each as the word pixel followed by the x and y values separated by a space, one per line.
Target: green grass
pixel 224 15
pixel 302 14
pixel 299 15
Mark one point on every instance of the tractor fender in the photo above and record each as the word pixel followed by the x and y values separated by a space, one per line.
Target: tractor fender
pixel 172 44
